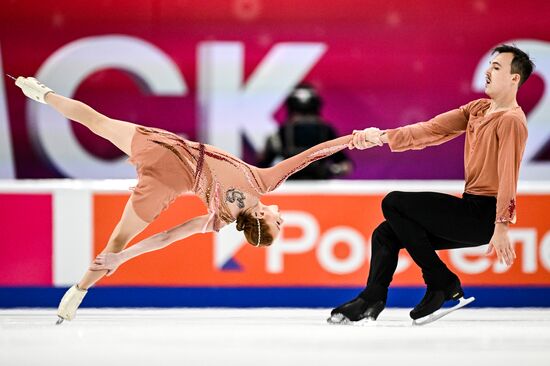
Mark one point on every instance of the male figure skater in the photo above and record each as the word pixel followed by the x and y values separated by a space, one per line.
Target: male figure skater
pixel 423 222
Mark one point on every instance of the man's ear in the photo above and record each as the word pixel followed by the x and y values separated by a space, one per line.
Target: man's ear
pixel 516 78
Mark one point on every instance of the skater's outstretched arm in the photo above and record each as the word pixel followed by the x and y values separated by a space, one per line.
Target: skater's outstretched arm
pixel 438 130
pixel 273 177
pixel 110 261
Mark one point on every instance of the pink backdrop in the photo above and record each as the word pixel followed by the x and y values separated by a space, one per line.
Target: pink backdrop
pixel 27 239
pixel 387 63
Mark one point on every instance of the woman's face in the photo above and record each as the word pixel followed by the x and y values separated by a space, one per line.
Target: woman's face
pixel 272 217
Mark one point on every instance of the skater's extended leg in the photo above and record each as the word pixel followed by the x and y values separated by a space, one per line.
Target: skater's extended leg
pixel 119 133
pixel 127 228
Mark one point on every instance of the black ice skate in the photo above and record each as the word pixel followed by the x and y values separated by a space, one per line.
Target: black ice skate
pixel 356 311
pixel 429 308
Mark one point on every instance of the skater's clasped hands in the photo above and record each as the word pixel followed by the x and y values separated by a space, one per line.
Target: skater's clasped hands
pixel 367 138
pixel 106 261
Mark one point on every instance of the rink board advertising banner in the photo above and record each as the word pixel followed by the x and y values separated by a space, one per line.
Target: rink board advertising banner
pixel 324 249
pixel 325 241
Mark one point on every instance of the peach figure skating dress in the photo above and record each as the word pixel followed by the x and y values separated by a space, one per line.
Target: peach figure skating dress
pixel 169 165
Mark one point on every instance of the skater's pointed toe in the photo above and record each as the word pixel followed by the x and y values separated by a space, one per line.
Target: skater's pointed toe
pixel 70 303
pixel 33 88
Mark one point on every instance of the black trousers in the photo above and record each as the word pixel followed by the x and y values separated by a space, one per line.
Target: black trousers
pixel 423 222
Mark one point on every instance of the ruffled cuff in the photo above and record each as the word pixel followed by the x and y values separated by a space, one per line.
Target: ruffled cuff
pixel 508 214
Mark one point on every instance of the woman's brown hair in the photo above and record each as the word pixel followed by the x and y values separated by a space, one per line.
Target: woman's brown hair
pixel 256 231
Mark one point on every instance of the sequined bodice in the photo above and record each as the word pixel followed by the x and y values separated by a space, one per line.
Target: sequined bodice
pixel 226 184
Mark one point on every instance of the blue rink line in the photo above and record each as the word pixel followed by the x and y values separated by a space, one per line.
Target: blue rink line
pixel 242 297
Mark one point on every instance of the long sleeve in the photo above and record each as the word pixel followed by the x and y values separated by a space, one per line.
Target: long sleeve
pixel 436 131
pixel 273 177
pixel 340 156
pixel 512 137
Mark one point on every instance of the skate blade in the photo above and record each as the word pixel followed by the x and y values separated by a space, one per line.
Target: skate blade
pixel 340 319
pixel 442 312
pixel 59 320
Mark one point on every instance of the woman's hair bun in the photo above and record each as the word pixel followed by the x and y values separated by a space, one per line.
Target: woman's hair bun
pixel 241 222
pixel 256 231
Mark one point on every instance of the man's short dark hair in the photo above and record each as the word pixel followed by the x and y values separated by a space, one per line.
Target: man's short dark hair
pixel 521 64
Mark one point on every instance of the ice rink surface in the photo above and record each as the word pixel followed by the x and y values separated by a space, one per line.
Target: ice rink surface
pixel 271 337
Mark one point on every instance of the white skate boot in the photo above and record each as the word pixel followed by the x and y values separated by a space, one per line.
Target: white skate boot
pixel 70 303
pixel 33 88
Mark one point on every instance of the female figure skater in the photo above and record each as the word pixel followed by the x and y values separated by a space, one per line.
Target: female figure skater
pixel 167 166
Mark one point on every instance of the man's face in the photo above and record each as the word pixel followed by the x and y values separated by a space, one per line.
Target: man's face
pixel 498 78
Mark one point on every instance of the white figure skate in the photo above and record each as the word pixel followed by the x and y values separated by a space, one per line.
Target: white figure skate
pixel 33 88
pixel 70 303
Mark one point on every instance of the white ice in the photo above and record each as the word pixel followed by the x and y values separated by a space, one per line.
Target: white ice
pixel 263 337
